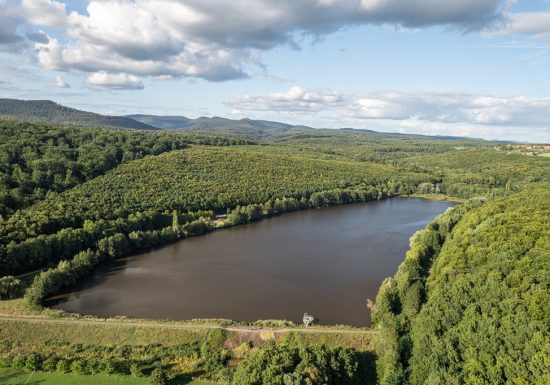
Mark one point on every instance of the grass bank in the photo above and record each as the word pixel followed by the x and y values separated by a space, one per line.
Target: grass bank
pixel 18 377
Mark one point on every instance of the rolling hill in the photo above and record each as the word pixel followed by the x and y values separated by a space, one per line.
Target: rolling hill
pixel 257 129
pixel 46 110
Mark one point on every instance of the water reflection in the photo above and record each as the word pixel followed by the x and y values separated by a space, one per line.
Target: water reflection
pixel 326 262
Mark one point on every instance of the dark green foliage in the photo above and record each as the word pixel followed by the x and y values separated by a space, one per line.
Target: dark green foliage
pixel 200 178
pixel 63 366
pixel 289 363
pixel 158 377
pixel 37 159
pixel 10 287
pixel 49 364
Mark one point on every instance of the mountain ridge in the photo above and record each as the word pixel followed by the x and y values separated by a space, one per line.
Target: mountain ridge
pixel 50 111
pixel 47 110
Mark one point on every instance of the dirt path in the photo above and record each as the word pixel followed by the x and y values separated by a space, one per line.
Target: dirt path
pixel 153 324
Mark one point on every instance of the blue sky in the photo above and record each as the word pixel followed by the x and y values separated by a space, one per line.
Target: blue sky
pixel 466 67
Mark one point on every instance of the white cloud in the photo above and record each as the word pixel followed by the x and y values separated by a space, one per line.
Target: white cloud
pixel 406 109
pixel 119 81
pixel 215 39
pixel 58 82
pixel 10 20
pixel 48 13
pixel 529 23
pixel 295 99
pixel 219 40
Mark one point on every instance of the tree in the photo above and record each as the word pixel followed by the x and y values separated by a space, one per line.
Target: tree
pixel 10 287
pixel 175 220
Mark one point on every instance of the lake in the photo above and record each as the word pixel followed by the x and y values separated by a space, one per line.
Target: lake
pixel 326 262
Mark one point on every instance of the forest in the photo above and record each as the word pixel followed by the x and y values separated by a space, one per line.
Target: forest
pixel 470 302
pixel 74 197
pixel 38 158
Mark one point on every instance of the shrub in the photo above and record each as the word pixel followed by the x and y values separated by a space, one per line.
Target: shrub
pixel 158 377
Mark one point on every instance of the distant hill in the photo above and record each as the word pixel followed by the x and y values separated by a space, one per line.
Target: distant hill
pixel 259 129
pixel 164 122
pixel 49 111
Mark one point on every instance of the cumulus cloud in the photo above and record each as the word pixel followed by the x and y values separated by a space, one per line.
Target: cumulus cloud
pixel 48 13
pixel 38 37
pixel 119 81
pixel 529 23
pixel 58 82
pixel 218 40
pixel 430 107
pixel 215 39
pixel 10 20
pixel 295 99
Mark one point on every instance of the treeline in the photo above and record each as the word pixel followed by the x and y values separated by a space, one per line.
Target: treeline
pixel 40 158
pixel 471 307
pixel 479 173
pixel 48 250
pixel 400 297
pixel 290 363
pixel 118 245
pixel 198 178
pixel 155 361
pixel 143 232
pixel 255 212
pixel 487 315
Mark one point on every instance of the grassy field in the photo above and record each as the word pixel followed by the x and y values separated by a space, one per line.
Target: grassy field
pixel 18 377
pixel 108 334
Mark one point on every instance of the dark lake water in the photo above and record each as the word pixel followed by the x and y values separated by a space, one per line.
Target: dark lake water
pixel 326 262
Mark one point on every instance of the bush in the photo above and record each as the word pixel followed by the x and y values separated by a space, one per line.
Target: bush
pixel 63 366
pixel 158 377
pixel 32 362
pixel 18 362
pixel 79 367
pixel 135 370
pixel 49 365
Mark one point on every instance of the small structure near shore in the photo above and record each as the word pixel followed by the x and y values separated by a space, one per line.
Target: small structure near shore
pixel 308 319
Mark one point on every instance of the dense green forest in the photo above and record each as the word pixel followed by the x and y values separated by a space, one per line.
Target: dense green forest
pixel 39 158
pixel 480 314
pixel 82 195
pixel 469 304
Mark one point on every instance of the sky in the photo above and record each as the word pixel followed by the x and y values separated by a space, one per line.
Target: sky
pixel 477 68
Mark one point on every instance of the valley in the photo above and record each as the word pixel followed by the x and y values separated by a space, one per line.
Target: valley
pixel 199 252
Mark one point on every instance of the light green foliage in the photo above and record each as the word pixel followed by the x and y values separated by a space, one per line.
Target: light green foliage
pixel 470 173
pixel 481 315
pixel 487 318
pixel 158 377
pixel 401 297
pixel 16 377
